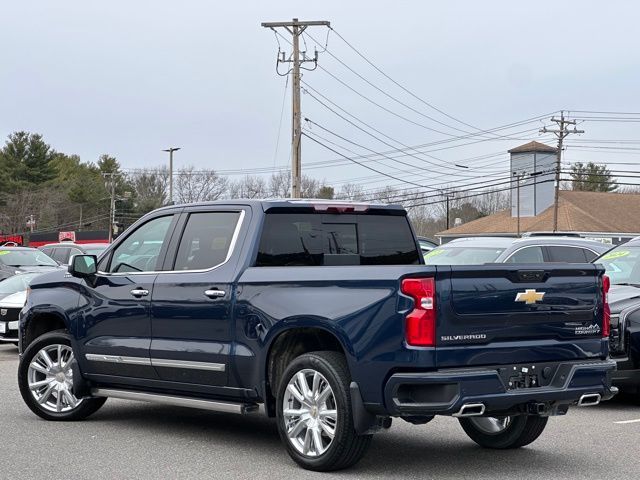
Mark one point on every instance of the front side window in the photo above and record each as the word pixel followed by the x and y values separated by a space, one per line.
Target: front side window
pixel 206 240
pixel 140 251
pixel 527 255
pixel 61 255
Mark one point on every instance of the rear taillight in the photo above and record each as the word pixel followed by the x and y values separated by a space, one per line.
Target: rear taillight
pixel 606 311
pixel 420 323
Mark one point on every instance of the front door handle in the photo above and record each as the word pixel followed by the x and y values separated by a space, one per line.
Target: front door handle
pixel 215 293
pixel 139 292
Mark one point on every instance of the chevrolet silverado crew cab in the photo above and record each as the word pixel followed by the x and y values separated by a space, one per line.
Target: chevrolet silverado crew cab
pixel 321 315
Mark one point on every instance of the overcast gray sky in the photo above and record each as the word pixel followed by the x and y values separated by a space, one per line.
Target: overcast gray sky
pixel 132 77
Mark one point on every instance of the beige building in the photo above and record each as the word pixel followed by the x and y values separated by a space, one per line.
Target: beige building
pixel 610 217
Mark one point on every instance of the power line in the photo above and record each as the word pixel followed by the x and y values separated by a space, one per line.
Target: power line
pixel 370 150
pixel 379 70
pixel 387 94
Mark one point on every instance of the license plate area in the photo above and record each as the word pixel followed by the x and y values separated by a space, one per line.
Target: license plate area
pixel 529 375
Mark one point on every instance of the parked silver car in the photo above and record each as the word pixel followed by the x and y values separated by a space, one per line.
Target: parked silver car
pixel 479 250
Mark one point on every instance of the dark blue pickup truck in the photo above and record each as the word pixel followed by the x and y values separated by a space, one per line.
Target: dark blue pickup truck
pixel 320 314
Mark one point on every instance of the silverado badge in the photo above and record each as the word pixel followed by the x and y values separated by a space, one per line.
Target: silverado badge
pixel 529 296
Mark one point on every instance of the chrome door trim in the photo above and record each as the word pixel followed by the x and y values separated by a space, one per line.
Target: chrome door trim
pixel 232 245
pixel 164 362
pixel 156 362
pixel 98 357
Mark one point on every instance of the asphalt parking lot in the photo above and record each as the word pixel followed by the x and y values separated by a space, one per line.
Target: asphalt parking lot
pixel 138 440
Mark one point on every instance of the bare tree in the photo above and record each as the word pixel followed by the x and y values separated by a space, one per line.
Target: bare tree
pixel 280 185
pixel 309 187
pixel 249 187
pixel 351 191
pixel 198 185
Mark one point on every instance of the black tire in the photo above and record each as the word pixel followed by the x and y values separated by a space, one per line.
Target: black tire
pixel 522 430
pixel 86 407
pixel 347 447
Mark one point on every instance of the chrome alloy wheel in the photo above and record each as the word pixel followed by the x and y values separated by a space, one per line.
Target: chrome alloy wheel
pixel 50 378
pixel 491 425
pixel 310 413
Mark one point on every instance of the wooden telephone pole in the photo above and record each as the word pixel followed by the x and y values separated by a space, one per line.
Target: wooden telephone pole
pixel 296 28
pixel 561 132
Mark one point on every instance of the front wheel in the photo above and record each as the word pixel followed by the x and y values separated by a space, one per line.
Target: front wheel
pixel 504 432
pixel 314 413
pixel 45 378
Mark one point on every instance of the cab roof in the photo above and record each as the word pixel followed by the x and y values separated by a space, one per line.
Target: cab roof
pixel 333 206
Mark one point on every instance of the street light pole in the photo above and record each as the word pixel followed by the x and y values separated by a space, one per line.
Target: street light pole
pixel 171 150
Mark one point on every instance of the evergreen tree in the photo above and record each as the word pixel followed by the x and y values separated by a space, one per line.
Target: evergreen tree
pixel 592 178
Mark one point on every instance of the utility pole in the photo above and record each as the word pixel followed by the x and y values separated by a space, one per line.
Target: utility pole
pixel 561 132
pixel 447 196
pixel 171 150
pixel 518 177
pixel 111 185
pixel 296 28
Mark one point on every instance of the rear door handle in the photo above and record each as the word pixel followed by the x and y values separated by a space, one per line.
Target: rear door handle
pixel 139 292
pixel 215 293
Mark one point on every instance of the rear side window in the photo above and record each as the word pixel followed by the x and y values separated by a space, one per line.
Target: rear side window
pixel 566 254
pixel 206 240
pixel 320 239
pixel 527 255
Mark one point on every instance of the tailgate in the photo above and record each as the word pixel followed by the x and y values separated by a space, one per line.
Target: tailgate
pixel 514 313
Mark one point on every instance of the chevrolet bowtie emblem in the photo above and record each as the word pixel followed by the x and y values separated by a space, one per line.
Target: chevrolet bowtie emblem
pixel 529 296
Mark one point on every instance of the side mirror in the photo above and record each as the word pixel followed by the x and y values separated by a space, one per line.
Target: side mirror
pixel 83 266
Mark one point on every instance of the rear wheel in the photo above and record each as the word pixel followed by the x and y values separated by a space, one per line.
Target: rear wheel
pixel 504 432
pixel 314 413
pixel 45 378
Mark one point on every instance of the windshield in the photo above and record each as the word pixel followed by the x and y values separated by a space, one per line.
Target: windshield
pixel 17 283
pixel 26 258
pixel 622 265
pixel 451 255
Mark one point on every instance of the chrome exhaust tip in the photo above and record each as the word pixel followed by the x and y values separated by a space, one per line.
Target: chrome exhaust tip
pixel 470 410
pixel 589 400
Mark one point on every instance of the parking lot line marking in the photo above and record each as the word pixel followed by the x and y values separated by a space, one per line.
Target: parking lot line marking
pixel 637 420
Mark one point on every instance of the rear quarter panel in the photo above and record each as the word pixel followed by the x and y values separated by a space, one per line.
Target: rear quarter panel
pixel 361 306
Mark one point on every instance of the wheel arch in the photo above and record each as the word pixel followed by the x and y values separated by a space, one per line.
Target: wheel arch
pixel 293 340
pixel 39 322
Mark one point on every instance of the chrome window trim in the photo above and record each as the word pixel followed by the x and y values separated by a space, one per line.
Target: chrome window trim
pixel 232 246
pixel 156 362
pixel 551 245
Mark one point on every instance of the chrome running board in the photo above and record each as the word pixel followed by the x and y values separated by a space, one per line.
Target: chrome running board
pixel 215 405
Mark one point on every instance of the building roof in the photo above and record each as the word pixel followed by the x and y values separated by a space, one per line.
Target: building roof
pixel 596 212
pixel 533 147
